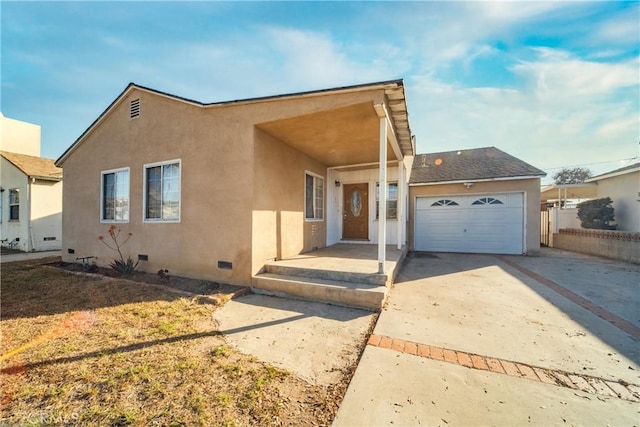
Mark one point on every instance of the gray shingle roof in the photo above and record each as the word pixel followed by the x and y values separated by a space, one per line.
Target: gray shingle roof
pixel 469 165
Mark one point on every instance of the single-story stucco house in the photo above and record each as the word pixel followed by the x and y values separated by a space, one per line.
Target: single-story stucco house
pixel 30 190
pixel 217 191
pixel 623 187
pixel 481 200
pixel 279 192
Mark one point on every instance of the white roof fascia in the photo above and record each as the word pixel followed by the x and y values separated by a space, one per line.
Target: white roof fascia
pixel 612 175
pixel 462 181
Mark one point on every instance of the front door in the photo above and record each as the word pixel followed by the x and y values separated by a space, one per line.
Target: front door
pixel 355 217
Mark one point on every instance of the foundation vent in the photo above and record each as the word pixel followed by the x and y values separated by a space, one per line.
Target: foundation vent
pixel 225 265
pixel 143 257
pixel 134 109
pixel 71 251
pixel 48 239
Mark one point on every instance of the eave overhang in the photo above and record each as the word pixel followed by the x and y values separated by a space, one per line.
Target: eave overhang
pixel 393 90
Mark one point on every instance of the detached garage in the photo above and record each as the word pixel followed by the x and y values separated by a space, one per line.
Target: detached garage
pixel 474 201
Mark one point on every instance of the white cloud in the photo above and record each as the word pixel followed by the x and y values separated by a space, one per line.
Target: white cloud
pixel 462 31
pixel 316 59
pixel 622 29
pixel 558 74
pixel 566 112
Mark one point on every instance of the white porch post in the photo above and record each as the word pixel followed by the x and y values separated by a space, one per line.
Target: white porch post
pixel 382 197
pixel 400 205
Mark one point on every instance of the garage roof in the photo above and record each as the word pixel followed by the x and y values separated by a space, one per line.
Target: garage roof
pixel 478 164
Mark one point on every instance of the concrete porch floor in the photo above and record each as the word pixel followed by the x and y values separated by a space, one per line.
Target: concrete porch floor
pixel 347 257
pixel 343 274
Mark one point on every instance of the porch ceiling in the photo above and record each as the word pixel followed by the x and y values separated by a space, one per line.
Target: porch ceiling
pixel 336 137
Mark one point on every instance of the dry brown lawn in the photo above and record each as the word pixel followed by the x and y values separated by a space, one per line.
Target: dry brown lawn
pixel 78 349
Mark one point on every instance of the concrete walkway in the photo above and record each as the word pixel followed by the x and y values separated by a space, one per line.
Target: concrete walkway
pixel 26 256
pixel 487 340
pixel 316 341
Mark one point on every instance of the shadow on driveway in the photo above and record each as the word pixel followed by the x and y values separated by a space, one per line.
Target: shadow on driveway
pixel 482 294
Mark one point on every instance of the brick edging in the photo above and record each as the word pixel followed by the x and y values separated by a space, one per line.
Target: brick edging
pixel 588 384
pixel 617 321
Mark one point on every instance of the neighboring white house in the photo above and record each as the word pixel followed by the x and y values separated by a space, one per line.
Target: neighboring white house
pixel 30 190
pixel 623 187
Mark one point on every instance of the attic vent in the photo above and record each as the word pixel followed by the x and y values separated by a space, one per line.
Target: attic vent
pixel 134 109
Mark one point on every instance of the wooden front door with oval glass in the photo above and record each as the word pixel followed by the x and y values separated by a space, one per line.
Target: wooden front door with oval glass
pixel 355 212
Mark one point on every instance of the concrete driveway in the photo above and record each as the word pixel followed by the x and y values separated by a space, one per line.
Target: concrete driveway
pixel 491 340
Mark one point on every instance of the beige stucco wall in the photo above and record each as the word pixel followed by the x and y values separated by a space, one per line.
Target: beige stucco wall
pixel 624 190
pixel 604 243
pixel 531 187
pixel 216 180
pixel 279 228
pixel 242 191
pixel 13 178
pixel 19 137
pixel 46 215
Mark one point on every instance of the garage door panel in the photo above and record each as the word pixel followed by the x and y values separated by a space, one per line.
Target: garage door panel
pixel 440 217
pixel 493 225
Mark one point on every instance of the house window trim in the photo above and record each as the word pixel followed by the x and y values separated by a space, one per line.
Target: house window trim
pixel 114 221
pixel 17 190
pixel 144 192
pixel 377 213
pixel 315 177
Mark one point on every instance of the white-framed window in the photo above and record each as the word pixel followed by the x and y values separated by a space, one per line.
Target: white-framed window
pixel 114 195
pixel 392 200
pixel 14 204
pixel 162 191
pixel 313 197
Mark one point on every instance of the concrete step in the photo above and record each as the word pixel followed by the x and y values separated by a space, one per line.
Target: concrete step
pixel 314 273
pixel 338 292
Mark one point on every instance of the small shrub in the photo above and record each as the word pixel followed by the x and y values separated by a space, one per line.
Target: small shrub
pixel 122 266
pixel 597 214
pixel 125 267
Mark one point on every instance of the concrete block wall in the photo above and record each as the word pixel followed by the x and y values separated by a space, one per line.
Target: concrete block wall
pixel 619 245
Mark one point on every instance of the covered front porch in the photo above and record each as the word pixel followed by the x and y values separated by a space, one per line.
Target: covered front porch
pixel 340 236
pixel 342 274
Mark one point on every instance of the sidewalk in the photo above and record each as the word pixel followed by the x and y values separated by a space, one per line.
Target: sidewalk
pixel 26 256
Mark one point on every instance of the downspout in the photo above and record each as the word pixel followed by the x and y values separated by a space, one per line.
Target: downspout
pixel 29 232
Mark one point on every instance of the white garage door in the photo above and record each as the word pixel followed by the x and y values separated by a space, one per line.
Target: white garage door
pixel 492 223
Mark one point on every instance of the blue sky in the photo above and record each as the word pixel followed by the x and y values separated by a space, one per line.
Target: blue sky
pixel 556 84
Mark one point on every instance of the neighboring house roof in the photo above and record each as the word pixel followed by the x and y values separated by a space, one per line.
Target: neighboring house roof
pixel 568 191
pixel 478 164
pixel 34 167
pixel 622 171
pixel 394 90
